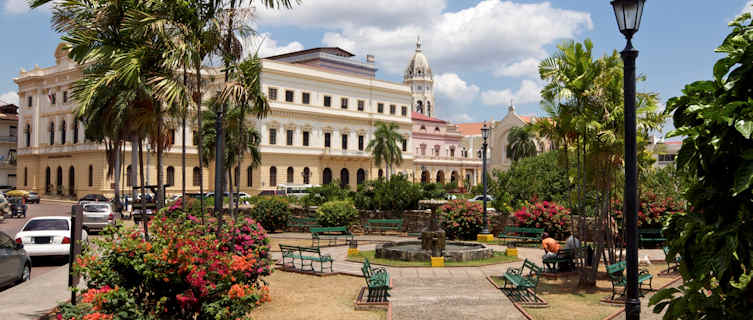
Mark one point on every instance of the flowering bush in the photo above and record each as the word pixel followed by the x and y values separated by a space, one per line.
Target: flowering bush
pixel 552 217
pixel 462 219
pixel 653 209
pixel 337 214
pixel 272 213
pixel 187 270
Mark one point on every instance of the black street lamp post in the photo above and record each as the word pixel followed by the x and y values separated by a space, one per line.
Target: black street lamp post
pixel 484 135
pixel 628 14
pixel 219 160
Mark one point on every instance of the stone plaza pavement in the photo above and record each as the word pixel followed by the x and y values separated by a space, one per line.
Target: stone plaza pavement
pixel 440 293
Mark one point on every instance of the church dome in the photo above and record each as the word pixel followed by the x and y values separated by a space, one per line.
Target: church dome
pixel 419 65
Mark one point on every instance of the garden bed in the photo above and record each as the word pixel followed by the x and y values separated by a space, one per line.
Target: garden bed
pixel 567 301
pixel 297 296
pixel 499 258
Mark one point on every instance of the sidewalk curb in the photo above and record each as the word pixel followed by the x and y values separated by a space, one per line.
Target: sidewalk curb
pixel 58 201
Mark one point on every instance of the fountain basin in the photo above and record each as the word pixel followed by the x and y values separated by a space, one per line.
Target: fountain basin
pixel 455 251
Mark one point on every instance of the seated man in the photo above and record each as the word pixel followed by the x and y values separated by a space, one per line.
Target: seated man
pixel 551 246
pixel 572 242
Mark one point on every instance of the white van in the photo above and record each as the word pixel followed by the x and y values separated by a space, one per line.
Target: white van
pixel 295 190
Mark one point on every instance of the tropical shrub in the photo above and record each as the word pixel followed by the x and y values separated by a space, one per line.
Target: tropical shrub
pixel 337 214
pixel 539 177
pixel 186 270
pixel 397 194
pixel 714 238
pixel 328 192
pixel 433 191
pixel 365 196
pixel 462 219
pixel 552 217
pixel 272 213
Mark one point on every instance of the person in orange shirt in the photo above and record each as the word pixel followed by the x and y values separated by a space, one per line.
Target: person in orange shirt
pixel 551 246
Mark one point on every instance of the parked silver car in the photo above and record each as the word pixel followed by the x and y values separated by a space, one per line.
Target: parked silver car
pixel 97 216
pixel 15 264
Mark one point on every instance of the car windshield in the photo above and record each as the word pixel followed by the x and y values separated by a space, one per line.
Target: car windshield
pixel 96 208
pixel 46 224
pixel 33 193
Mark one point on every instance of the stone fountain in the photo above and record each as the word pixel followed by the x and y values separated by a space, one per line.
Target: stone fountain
pixel 433 238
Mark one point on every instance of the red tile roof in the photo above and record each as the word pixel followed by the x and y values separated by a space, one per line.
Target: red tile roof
pixel 673 142
pixel 526 119
pixel 470 128
pixel 421 117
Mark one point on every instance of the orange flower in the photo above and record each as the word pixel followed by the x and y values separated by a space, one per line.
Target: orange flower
pixel 237 291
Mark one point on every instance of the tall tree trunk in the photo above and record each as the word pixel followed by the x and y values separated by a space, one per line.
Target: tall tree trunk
pixel 199 140
pixel 230 192
pixel 144 217
pixel 116 175
pixel 160 178
pixel 183 146
pixel 134 170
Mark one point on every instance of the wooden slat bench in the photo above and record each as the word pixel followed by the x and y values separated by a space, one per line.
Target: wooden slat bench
pixel 521 234
pixel 305 254
pixel 377 282
pixel 520 280
pixel 383 224
pixel 650 236
pixel 617 277
pixel 303 222
pixel 561 263
pixel 331 234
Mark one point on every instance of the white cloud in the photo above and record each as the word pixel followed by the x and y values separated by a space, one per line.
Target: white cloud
pixel 528 68
pixel 451 86
pixel 493 33
pixel 268 47
pixel 461 117
pixel 748 7
pixel 16 6
pixel 528 92
pixel 9 97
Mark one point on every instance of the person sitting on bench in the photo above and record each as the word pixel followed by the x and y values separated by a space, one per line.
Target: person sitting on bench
pixel 551 246
pixel 572 242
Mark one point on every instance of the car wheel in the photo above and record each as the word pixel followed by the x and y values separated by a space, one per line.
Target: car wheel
pixel 25 274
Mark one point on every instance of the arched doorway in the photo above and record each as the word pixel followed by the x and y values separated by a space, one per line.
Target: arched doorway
pixel 170 175
pixel 71 181
pixel 360 176
pixel 59 180
pixel 344 178
pixel 306 175
pixel 454 177
pixel 47 180
pixel 424 176
pixel 381 173
pixel 272 176
pixel 327 176
pixel 440 176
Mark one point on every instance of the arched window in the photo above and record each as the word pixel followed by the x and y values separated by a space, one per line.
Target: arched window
pixel 52 133
pixel 47 180
pixel 424 176
pixel 129 176
pixel 26 176
pixel 440 176
pixel 237 176
pixel 27 132
pixel 290 173
pixel 249 176
pixel 62 132
pixel 75 131
pixel 327 176
pixel 272 176
pixel 381 173
pixel 71 180
pixel 170 175
pixel 360 176
pixel 306 175
pixel 196 177
pixel 91 176
pixel 344 178
pixel 420 107
pixel 59 180
pixel 428 108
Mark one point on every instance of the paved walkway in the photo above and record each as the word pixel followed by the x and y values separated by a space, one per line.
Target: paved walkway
pixel 36 297
pixel 440 293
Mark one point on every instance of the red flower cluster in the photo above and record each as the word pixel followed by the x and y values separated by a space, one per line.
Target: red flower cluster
pixel 462 219
pixel 652 211
pixel 552 217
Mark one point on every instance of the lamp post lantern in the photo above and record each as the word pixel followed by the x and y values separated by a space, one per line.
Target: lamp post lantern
pixel 484 135
pixel 628 14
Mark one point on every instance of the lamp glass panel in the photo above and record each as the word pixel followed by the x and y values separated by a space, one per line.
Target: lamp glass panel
pixel 618 13
pixel 630 9
pixel 639 14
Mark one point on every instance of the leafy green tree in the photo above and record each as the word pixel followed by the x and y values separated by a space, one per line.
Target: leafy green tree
pixel 714 238
pixel 385 147
pixel 520 143
pixel 538 177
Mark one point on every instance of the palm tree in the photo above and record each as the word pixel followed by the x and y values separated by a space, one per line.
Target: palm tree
pixel 385 147
pixel 520 143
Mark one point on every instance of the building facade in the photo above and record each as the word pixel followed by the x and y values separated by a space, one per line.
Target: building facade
pixel 8 141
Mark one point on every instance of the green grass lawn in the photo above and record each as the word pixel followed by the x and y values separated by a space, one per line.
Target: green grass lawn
pixel 499 257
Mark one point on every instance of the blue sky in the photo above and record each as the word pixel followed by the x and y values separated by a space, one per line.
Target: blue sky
pixel 483 53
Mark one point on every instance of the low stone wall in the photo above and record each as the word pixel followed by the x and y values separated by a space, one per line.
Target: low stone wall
pixel 393 251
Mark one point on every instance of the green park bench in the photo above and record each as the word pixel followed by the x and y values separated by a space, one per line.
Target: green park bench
pixel 560 263
pixel 302 222
pixel 617 277
pixel 672 263
pixel 331 234
pixel 383 224
pixel 521 234
pixel 306 255
pixel 521 282
pixel 650 236
pixel 377 282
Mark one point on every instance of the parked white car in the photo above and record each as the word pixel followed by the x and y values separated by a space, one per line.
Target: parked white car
pixel 47 236
pixel 481 198
pixel 97 216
